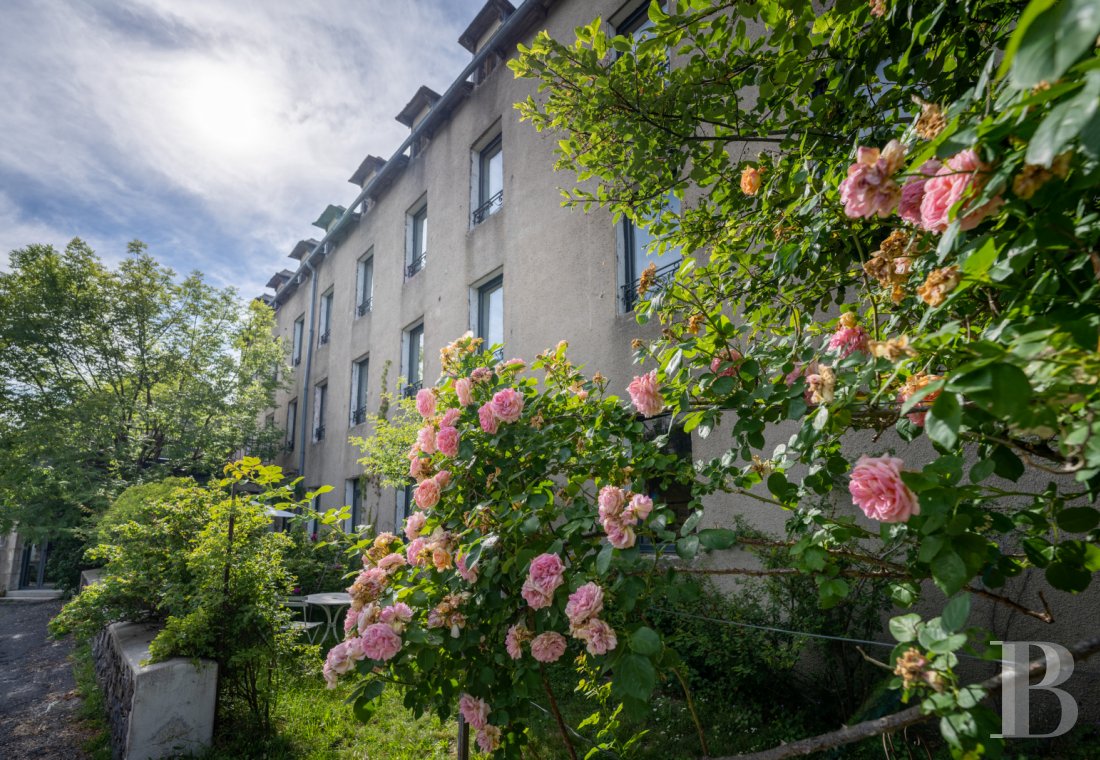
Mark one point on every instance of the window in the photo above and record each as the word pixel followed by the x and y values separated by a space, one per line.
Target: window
pixel 490 181
pixel 637 24
pixel 490 315
pixel 359 392
pixel 640 251
pixel 326 318
pixel 418 241
pixel 353 496
pixel 299 331
pixel 413 359
pixel 291 423
pixel 364 284
pixel 404 497
pixel 320 397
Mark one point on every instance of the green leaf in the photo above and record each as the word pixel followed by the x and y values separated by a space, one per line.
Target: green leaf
pixel 1066 577
pixel 1055 37
pixel 949 571
pixel 603 559
pixel 1006 464
pixel 1078 519
pixel 687 547
pixel 634 676
pixel 366 701
pixel 904 627
pixel 1064 123
pixel 717 538
pixel 1027 18
pixel 956 612
pixel 942 422
pixel 1002 389
pixel 645 641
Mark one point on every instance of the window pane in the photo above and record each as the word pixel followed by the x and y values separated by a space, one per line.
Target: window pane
pixel 495 174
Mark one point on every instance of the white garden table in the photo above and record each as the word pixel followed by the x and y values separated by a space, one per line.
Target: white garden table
pixel 330 603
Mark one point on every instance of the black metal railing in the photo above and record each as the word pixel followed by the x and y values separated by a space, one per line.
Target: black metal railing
pixel 411 389
pixel 488 207
pixel 324 337
pixel 289 447
pixel 319 433
pixel 498 353
pixel 359 416
pixel 364 307
pixel 416 265
pixel 657 282
pixel 297 360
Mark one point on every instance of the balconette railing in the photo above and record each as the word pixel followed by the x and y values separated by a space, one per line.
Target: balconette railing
pixel 482 212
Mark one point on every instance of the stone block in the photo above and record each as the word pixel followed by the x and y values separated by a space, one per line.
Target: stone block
pixel 160 710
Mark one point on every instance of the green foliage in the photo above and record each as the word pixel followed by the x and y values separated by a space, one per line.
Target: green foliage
pixel 109 378
pixel 138 504
pixel 385 449
pixel 315 566
pixel 205 564
pixel 980 333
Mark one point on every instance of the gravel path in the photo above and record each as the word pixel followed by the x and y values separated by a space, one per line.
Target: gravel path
pixel 38 701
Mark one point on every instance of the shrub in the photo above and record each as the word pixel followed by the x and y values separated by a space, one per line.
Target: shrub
pixel 204 563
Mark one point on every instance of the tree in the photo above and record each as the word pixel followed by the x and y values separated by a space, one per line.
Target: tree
pixel 110 378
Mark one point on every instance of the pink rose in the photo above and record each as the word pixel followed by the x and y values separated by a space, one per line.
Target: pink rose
pixel 425 402
pixel 339 660
pixel 415 552
pixel 547 571
pixel 443 478
pixel 481 374
pixel 584 603
pixel 447 441
pixel 414 524
pixel 548 647
pixel 392 561
pixel 611 501
pixel 507 405
pixel 425 439
pixel 847 340
pixel 463 386
pixel 419 467
pixel 441 558
pixel 877 488
pixel 963 177
pixel 620 535
pixel 598 636
pixel 488 739
pixel 514 640
pixel 450 417
pixel 645 394
pixel 869 188
pixel 640 506
pixel 913 192
pixel 380 642
pixel 731 357
pixel 396 616
pixel 469 574
pixel 536 597
pixel 487 418
pixel 475 711
pixel 426 494
pixel 351 619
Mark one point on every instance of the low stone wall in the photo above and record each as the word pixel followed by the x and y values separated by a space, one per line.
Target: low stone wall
pixel 154 711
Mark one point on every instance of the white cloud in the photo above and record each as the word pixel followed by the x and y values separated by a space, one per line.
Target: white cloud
pixel 217 129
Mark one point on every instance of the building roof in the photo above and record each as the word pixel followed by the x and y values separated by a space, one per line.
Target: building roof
pixel 328 216
pixel 371 165
pixel 279 278
pixel 425 97
pixel 303 247
pixel 490 13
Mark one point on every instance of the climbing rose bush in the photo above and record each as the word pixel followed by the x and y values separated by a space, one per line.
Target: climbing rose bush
pixel 896 237
pixel 522 550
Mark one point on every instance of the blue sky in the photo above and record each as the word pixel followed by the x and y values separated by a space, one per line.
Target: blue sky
pixel 214 130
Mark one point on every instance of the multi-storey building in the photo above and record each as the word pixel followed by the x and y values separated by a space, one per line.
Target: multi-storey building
pixel 461 229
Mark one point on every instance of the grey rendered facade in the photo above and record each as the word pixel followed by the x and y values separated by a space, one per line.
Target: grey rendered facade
pixel 562 272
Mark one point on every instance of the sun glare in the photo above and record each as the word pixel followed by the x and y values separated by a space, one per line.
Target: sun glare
pixel 226 108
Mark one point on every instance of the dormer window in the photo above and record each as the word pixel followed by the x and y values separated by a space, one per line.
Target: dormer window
pixel 477 35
